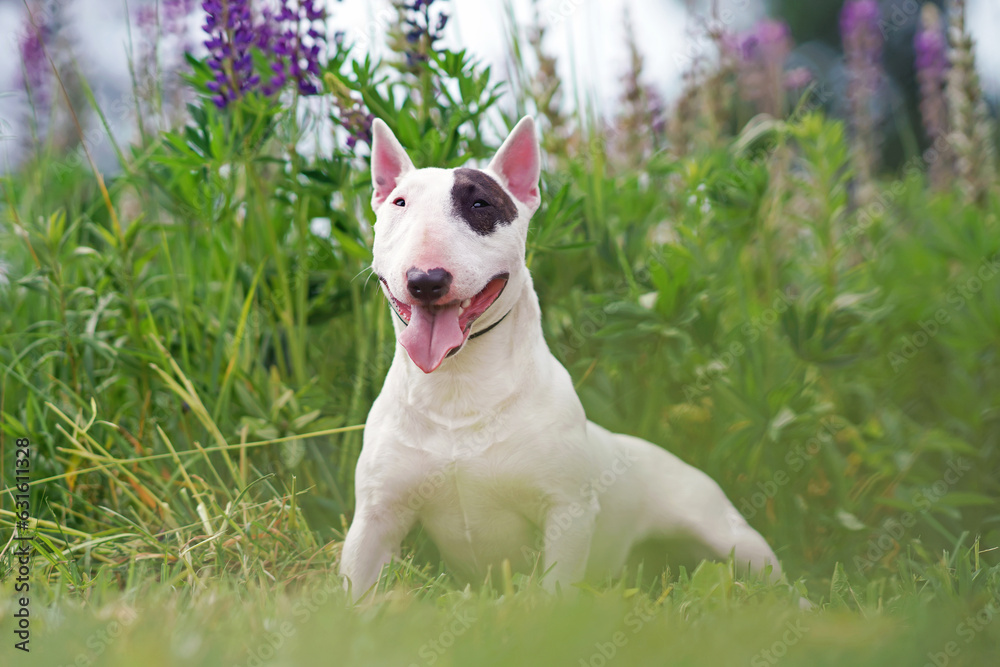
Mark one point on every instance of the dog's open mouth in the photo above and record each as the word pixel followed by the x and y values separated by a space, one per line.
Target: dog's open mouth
pixel 434 332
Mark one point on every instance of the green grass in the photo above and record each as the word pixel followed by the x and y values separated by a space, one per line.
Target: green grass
pixel 193 368
pixel 707 618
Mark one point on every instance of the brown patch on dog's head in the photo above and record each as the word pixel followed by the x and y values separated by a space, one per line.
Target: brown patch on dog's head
pixel 482 202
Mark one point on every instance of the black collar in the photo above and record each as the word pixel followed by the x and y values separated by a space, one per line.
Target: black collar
pixel 490 328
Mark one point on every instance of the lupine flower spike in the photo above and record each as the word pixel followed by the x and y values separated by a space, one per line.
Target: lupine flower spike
pixel 862 38
pixel 163 27
pixel 296 36
pixel 421 29
pixel 971 136
pixel 352 114
pixel 932 65
pixel 635 133
pixel 292 35
pixel 230 30
pixel 760 56
pixel 545 89
pixel 35 34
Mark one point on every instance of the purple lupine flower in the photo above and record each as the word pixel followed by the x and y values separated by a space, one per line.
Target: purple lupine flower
pixel 351 114
pixel 657 112
pixel 760 54
pixel 859 29
pixel 146 62
pixel 175 21
pixel 165 38
pixel 357 120
pixel 421 30
pixel 768 40
pixel 266 30
pixel 36 32
pixel 929 43
pixel 230 30
pixel 932 62
pixel 862 38
pixel 177 10
pixel 296 36
pixel 145 18
pixel 174 13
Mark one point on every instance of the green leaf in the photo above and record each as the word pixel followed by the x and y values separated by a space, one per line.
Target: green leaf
pixel 840 588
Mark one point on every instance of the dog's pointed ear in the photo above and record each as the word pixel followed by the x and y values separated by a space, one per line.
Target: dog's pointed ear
pixel 518 162
pixel 389 162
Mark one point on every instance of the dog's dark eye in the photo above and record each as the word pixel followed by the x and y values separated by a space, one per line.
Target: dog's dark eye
pixel 480 203
pixel 399 201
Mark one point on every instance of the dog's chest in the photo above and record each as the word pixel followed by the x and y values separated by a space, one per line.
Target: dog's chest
pixel 480 510
pixel 476 486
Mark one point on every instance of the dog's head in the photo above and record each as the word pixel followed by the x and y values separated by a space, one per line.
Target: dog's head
pixel 449 243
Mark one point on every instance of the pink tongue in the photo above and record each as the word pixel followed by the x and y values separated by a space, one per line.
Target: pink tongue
pixel 430 336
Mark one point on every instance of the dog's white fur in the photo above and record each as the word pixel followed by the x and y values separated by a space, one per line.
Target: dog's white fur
pixel 492 452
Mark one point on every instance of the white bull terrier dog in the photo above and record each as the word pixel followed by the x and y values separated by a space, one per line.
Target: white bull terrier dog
pixel 478 434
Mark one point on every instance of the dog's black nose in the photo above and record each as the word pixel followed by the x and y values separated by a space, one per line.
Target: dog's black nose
pixel 428 286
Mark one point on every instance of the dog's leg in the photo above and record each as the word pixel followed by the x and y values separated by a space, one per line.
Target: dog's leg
pixel 724 531
pixel 373 539
pixel 683 503
pixel 713 523
pixel 730 533
pixel 569 531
